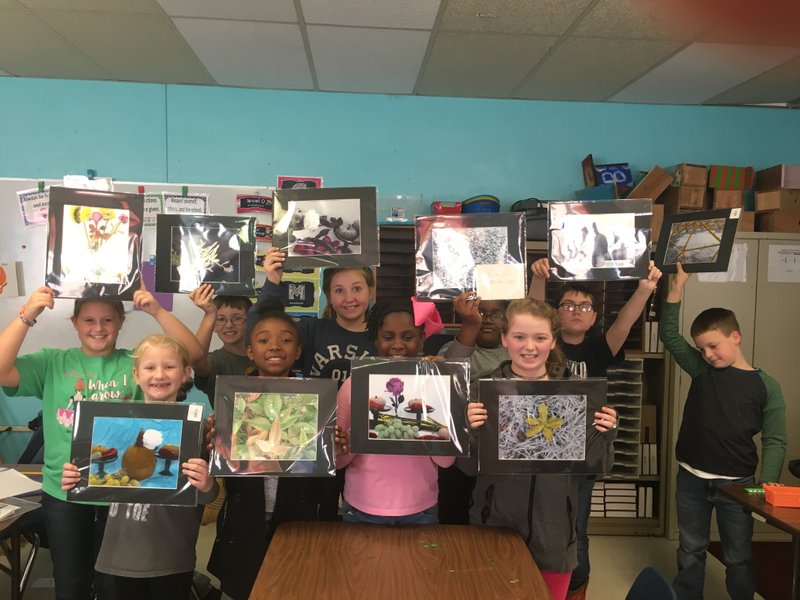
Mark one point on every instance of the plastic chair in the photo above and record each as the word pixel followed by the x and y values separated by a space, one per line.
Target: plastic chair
pixel 651 585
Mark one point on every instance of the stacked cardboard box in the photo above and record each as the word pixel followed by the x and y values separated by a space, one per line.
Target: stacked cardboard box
pixel 688 191
pixel 655 182
pixel 778 199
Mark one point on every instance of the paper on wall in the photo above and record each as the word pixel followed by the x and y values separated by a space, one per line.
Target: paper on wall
pixel 784 264
pixel 33 205
pixel 737 268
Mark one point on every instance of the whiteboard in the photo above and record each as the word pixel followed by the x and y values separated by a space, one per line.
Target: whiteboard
pixel 29 246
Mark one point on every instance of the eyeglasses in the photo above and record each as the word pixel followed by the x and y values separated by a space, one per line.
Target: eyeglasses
pixel 494 315
pixel 234 320
pixel 570 307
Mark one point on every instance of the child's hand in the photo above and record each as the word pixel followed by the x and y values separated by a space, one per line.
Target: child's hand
pixel 196 469
pixel 432 358
pixel 70 477
pixel 342 441
pixel 202 298
pixel 605 419
pixel 38 301
pixel 466 306
pixel 210 431
pixel 541 268
pixel 273 264
pixel 653 275
pixel 145 301
pixel 476 414
pixel 681 277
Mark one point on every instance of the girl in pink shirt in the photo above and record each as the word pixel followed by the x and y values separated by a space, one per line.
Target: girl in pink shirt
pixel 388 489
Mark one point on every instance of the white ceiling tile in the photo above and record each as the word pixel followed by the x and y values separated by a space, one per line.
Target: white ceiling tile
pixel 408 14
pixel 482 65
pixel 123 7
pixel 249 54
pixel 702 71
pixel 28 48
pixel 591 69
pixel 781 84
pixel 539 17
pixel 640 19
pixel 136 48
pixel 238 10
pixel 383 61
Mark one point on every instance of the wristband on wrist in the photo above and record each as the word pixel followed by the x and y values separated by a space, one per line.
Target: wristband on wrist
pixel 24 319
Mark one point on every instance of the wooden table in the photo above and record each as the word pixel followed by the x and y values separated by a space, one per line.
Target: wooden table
pixel 11 540
pixel 347 560
pixel 787 519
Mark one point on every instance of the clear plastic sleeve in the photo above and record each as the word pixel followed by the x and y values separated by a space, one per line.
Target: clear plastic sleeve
pixel 132 452
pixel 604 240
pixel 409 407
pixel 483 252
pixel 94 244
pixel 274 426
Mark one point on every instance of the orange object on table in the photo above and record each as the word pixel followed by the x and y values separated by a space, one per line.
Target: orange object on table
pixel 440 208
pixel 782 495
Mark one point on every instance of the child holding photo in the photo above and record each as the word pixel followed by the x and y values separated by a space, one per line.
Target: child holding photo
pixel 148 551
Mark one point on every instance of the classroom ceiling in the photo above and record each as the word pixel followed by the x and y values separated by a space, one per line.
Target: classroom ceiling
pixel 642 51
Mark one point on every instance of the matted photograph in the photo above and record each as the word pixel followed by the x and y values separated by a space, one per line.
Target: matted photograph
pixel 483 252
pixel 600 240
pixel 409 407
pixel 279 426
pixel 132 452
pixel 195 249
pixel 326 227
pixel 700 241
pixel 541 426
pixel 94 244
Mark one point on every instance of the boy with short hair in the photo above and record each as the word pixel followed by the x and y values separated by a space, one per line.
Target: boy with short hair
pixel 729 401
pixel 225 315
pixel 589 356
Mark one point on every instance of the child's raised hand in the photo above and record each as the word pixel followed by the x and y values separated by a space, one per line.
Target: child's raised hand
pixel 541 268
pixel 342 441
pixel 476 414
pixel 466 306
pixel 70 477
pixel 196 469
pixel 145 301
pixel 39 300
pixel 653 275
pixel 273 264
pixel 202 298
pixel 605 419
pixel 681 277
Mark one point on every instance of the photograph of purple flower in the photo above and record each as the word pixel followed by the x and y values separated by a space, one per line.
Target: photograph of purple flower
pixel 395 387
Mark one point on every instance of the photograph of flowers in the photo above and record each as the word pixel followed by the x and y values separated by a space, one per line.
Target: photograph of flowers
pixel 324 227
pixel 540 426
pixel 600 240
pixel 700 241
pixel 452 250
pixel 94 243
pixel 196 249
pixel 409 407
pixel 274 426
pixel 132 452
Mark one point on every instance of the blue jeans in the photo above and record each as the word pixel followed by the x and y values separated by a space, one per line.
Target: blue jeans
pixel 74 533
pixel 429 516
pixel 581 573
pixel 696 498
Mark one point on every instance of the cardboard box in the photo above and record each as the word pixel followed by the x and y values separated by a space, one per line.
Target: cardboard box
pixel 747 221
pixel 685 196
pixel 656 221
pixel 728 198
pixel 686 174
pixel 777 200
pixel 655 182
pixel 780 221
pixel 730 178
pixel 779 176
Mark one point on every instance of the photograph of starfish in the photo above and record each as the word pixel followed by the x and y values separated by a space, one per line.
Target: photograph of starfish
pixel 550 427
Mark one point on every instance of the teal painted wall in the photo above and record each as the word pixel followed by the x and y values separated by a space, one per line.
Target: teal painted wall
pixel 444 148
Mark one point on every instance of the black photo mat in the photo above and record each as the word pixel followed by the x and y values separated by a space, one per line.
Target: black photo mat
pixel 192 250
pixel 450 249
pixel 297 398
pixel 444 387
pixel 94 244
pixel 701 241
pixel 540 426
pixel 326 227
pixel 129 423
pixel 604 240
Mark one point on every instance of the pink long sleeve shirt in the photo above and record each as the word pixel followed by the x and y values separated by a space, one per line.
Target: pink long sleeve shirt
pixel 385 484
